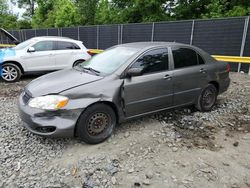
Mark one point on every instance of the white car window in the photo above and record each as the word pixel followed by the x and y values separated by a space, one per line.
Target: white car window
pixel 62 45
pixel 44 46
pixel 23 44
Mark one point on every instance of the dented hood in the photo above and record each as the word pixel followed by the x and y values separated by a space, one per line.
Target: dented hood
pixel 59 81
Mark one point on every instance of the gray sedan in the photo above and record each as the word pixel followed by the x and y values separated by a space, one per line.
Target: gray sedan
pixel 123 82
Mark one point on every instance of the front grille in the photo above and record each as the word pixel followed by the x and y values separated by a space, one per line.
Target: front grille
pixel 26 97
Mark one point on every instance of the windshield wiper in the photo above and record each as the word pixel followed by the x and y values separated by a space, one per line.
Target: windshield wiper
pixel 92 70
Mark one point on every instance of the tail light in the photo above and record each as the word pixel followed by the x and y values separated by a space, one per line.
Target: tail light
pixel 228 68
pixel 90 52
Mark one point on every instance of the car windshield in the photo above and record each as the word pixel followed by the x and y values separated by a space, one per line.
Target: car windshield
pixel 23 44
pixel 110 60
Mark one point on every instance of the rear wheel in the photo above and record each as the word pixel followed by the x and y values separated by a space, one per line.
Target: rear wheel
pixel 10 72
pixel 96 124
pixel 207 98
pixel 76 63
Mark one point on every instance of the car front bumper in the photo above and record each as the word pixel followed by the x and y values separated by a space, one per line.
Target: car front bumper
pixel 59 123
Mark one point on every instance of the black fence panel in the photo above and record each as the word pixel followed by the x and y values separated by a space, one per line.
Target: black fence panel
pixel 54 32
pixel 220 37
pixel 88 35
pixel 108 36
pixel 136 33
pixel 173 32
pixel 217 36
pixel 41 32
pixel 71 32
pixel 244 66
pixel 29 33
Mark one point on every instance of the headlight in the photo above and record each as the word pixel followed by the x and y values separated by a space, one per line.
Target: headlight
pixel 49 102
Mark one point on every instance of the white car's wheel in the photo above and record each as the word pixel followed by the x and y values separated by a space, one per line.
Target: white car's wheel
pixel 10 72
pixel 76 63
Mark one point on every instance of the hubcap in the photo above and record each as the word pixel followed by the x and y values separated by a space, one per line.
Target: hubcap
pixel 97 123
pixel 9 73
pixel 208 98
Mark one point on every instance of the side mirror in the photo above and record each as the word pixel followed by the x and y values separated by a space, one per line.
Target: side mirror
pixel 134 72
pixel 31 49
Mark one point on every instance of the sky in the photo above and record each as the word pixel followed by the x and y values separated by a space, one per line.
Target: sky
pixel 15 9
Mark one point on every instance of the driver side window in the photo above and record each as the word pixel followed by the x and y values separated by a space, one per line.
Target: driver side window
pixel 44 46
pixel 153 61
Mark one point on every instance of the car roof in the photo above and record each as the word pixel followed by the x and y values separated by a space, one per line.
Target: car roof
pixel 54 38
pixel 142 45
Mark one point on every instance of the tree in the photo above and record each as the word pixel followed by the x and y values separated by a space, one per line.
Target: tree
pixel 7 19
pixel 87 11
pixel 55 13
pixel 190 9
pixel 29 5
pixel 226 8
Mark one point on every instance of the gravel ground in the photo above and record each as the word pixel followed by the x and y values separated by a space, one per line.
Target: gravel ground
pixel 180 148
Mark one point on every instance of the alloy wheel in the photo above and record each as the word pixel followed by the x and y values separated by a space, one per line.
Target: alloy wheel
pixel 9 73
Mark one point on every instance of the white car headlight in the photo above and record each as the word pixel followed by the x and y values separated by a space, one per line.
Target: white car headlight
pixel 49 102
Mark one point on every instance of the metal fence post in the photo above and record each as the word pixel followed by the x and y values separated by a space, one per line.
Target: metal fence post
pixel 121 33
pixel 78 33
pixel 118 34
pixel 192 33
pixel 47 32
pixel 153 31
pixel 97 36
pixel 25 35
pixel 243 42
pixel 35 32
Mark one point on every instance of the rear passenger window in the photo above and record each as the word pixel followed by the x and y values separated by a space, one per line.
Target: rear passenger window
pixel 200 60
pixel 153 61
pixel 67 46
pixel 185 57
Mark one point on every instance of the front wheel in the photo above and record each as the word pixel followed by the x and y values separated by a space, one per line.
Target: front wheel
pixel 96 124
pixel 207 98
pixel 10 72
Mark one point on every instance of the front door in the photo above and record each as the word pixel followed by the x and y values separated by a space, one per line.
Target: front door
pixel 153 90
pixel 42 59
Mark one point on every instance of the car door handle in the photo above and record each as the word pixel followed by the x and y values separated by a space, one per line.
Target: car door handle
pixel 202 70
pixel 167 77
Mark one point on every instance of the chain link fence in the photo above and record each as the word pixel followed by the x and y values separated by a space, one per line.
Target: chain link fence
pixel 229 36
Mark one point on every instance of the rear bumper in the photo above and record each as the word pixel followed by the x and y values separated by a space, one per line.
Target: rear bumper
pixel 48 123
pixel 224 85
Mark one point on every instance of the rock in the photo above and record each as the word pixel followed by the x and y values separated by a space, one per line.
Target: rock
pixel 174 149
pixel 126 135
pixel 146 182
pixel 111 169
pixel 136 185
pixel 113 180
pixel 131 170
pixel 235 144
pixel 149 175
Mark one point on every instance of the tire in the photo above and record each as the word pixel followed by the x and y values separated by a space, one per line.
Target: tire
pixel 207 98
pixel 77 62
pixel 11 72
pixel 96 124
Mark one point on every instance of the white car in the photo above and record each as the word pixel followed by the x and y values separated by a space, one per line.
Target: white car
pixel 41 54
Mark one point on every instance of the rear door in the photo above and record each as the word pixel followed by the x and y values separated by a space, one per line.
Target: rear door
pixel 153 90
pixel 43 57
pixel 65 54
pixel 190 75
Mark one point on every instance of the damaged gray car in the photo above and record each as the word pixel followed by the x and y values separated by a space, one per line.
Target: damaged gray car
pixel 123 82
